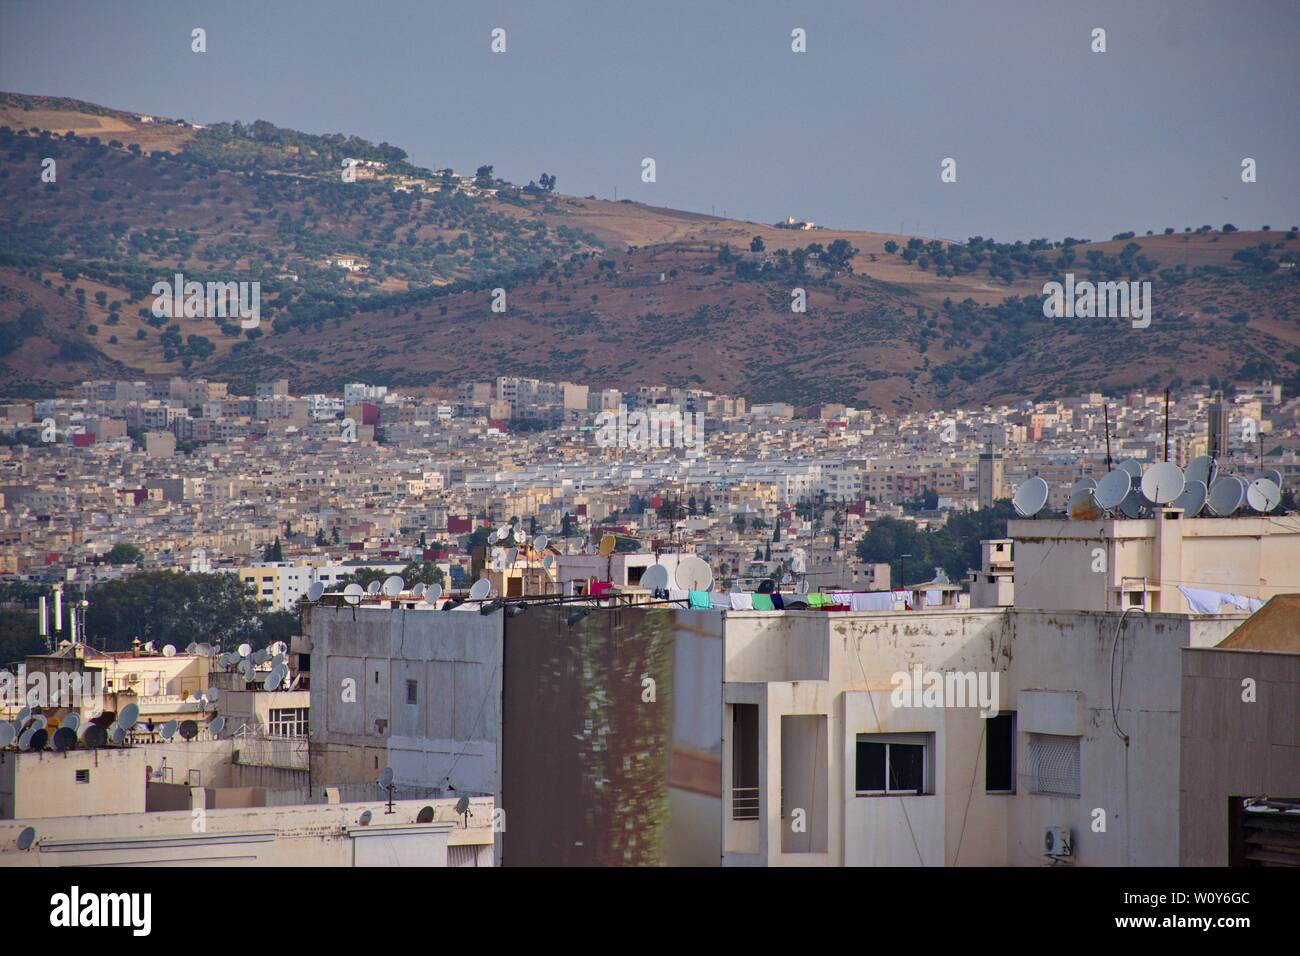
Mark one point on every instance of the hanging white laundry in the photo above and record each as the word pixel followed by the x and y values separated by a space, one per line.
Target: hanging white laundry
pixel 741 601
pixel 1201 601
pixel 873 601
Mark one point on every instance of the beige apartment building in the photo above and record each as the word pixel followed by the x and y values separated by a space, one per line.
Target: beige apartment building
pixel 1116 564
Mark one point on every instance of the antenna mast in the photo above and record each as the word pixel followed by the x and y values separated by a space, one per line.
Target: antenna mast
pixel 1105 411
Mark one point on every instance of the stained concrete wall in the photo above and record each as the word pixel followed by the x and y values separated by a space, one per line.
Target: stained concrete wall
pixel 1240 737
pixel 1041 658
pixel 362 660
pixel 324 835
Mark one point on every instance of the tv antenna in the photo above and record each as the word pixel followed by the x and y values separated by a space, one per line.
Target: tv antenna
pixel 386 781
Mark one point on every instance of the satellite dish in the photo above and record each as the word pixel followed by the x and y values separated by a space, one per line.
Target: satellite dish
pixel 655 578
pixel 280 647
pixel 272 680
pixel 1226 495
pixel 693 574
pixel 169 651
pixel 492 537
pixel 72 721
pixel 217 726
pixel 1131 506
pixel 213 694
pixel 130 714
pixel 418 590
pixel 188 730
pixel 393 585
pixel 314 591
pixel 1273 475
pixel 245 650
pixel 499 562
pixel 1030 497
pixel 540 542
pixel 1113 489
pixel 191 648
pixel 118 735
pixel 27 838
pixel 94 736
pixel 433 592
pixel 25 738
pixel 1263 495
pixel 7 733
pixel 168 730
pixel 205 650
pixel 246 669
pixel 1192 500
pixel 480 589
pixel 1133 467
pixel 39 722
pixel 64 739
pixel 504 532
pixel 386 777
pixel 1202 469
pixel 23 714
pixel 589 549
pixel 462 806
pixel 373 587
pixel 1163 483
pixel 607 543
pixel 512 556
pixel 1082 505
pixel 40 737
pixel 365 818
pixel 352 593
pixel 548 561
pixel 261 656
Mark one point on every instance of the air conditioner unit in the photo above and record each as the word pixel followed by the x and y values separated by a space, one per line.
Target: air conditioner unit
pixel 1057 842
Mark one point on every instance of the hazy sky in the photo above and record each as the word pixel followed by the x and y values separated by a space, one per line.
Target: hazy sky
pixel 1050 138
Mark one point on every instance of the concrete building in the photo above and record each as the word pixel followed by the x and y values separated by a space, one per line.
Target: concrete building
pixel 989 484
pixel 812 725
pixel 1218 427
pixel 415 690
pixel 1113 564
pixel 1240 728
pixel 416 833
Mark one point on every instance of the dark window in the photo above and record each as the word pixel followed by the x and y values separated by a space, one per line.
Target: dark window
pixel 412 692
pixel 871 767
pixel 83 776
pixel 907 767
pixel 999 768
pixel 893 764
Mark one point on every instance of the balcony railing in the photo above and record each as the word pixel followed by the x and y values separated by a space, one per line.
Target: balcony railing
pixel 744 803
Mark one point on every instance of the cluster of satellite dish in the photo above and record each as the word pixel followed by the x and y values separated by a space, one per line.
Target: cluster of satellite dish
pixel 1128 492
pixel 691 574
pixel 247 661
pixel 504 558
pixel 35 732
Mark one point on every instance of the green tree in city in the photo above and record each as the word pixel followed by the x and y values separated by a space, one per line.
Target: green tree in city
pixel 123 553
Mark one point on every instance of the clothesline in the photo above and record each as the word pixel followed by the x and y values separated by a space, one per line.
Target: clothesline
pixel 815 600
pixel 1201 601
